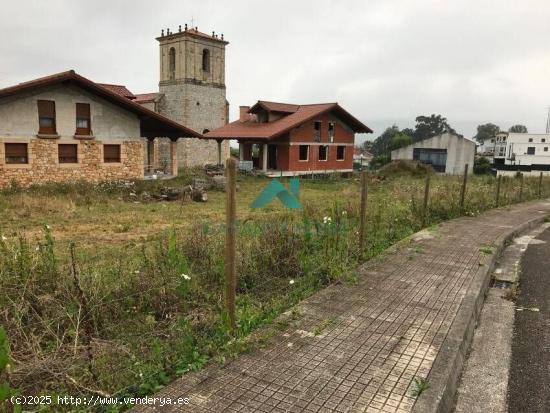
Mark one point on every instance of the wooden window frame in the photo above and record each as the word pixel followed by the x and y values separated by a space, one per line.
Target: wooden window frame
pixel 112 160
pixel 46 110
pixel 331 130
pixel 83 112
pixel 70 160
pixel 326 153
pixel 343 147
pixel 299 153
pixel 7 161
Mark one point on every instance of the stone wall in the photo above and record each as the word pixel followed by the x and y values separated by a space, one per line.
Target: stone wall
pixel 44 164
pixel 191 152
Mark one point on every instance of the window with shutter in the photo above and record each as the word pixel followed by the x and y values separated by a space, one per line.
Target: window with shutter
pixel 67 153
pixel 46 117
pixel 83 120
pixel 111 153
pixel 16 153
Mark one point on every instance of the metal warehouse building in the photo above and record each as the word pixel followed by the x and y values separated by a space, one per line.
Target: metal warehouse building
pixel 446 153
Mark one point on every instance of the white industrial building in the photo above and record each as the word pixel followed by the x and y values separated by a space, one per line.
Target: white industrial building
pixel 447 153
pixel 525 152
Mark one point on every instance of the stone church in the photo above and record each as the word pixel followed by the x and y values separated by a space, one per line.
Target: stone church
pixel 191 92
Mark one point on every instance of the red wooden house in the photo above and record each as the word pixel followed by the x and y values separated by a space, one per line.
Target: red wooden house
pixel 286 139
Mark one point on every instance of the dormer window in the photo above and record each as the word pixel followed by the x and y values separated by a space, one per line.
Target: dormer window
pixel 46 117
pixel 206 60
pixel 317 131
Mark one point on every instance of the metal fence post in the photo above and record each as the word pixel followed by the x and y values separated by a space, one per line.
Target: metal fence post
pixel 363 211
pixel 230 263
pixel 463 190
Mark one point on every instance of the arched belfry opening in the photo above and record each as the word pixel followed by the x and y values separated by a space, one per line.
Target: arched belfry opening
pixel 206 60
pixel 172 63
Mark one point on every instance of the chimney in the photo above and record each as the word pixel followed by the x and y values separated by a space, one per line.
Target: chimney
pixel 243 113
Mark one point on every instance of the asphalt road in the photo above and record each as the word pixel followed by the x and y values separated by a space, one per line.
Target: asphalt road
pixel 529 383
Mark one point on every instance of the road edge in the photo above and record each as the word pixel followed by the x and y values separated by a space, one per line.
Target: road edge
pixel 444 377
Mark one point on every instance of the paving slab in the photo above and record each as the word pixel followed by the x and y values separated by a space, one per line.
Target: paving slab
pixel 360 347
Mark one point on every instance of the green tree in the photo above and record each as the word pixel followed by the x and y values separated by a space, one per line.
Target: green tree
pixel 382 144
pixel 482 165
pixel 367 146
pixel 400 140
pixel 428 126
pixel 518 129
pixel 486 131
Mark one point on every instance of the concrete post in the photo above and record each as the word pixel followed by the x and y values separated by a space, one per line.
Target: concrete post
pixel 264 156
pixel 174 157
pixel 150 155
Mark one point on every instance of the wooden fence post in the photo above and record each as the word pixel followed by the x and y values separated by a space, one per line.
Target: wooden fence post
pixel 521 187
pixel 426 198
pixel 463 190
pixel 363 211
pixel 499 178
pixel 540 185
pixel 230 263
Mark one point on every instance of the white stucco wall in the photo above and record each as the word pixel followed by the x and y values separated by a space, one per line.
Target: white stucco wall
pixel 19 114
pixel 460 151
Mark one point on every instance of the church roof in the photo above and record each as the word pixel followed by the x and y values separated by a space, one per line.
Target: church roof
pixel 152 124
pixel 252 129
pixel 193 32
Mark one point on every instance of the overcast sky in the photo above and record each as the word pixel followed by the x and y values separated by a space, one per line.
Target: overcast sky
pixel 385 61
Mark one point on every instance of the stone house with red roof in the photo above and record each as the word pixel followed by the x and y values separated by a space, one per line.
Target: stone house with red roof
pixel 283 139
pixel 65 127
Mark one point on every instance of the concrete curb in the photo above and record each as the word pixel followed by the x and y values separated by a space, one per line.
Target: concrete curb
pixel 445 374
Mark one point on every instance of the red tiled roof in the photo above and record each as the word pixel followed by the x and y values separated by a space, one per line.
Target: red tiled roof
pixel 270 130
pixel 146 97
pixel 274 107
pixel 119 90
pixel 152 124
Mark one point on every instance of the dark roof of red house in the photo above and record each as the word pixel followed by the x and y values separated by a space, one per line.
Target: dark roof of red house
pixel 146 97
pixel 252 129
pixel 274 107
pixel 152 124
pixel 119 90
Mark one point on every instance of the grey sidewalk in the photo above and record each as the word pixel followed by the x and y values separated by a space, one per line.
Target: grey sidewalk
pixel 358 348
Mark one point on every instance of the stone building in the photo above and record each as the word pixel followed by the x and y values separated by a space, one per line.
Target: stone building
pixel 65 127
pixel 192 92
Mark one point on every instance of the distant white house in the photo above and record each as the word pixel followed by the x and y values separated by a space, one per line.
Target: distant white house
pixel 487 147
pixel 525 152
pixel 448 153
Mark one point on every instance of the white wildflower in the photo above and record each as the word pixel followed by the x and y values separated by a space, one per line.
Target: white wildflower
pixel 291 282
pixel 38 248
pixel 136 272
pixel 4 238
pixel 327 220
pixel 48 227
pixel 344 212
pixel 185 277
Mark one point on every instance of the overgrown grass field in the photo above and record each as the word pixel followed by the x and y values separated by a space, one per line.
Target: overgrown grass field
pixel 104 291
